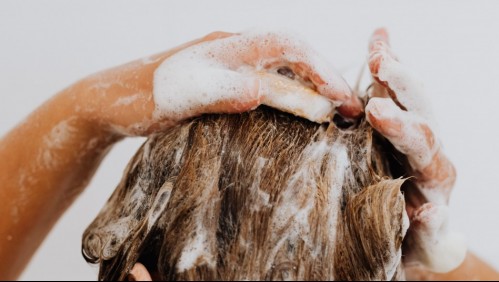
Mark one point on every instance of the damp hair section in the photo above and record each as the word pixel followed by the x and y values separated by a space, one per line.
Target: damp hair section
pixel 262 195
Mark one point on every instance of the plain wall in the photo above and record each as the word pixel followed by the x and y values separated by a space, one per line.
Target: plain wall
pixel 452 45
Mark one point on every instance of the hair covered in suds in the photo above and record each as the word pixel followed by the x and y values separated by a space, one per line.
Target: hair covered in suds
pixel 255 196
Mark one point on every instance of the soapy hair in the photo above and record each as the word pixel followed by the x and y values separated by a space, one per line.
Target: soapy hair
pixel 255 196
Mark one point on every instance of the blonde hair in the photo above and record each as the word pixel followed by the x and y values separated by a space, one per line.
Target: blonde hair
pixel 256 196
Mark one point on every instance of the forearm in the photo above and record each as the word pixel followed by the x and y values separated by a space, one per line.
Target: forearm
pixel 45 162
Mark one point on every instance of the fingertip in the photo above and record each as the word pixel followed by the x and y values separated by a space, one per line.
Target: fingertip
pixel 379 40
pixel 352 108
pixel 380 34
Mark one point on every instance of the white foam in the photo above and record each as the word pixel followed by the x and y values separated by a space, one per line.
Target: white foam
pixel 263 196
pixel 216 71
pixel 448 253
pixel 291 217
pixel 341 163
pixel 437 247
pixel 195 249
pixel 440 249
pixel 410 140
pixel 410 91
pixel 391 267
pixel 55 140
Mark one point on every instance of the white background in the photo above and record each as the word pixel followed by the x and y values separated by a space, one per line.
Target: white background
pixel 452 45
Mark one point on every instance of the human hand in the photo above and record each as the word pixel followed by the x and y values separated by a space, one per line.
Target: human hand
pixel 219 73
pixel 397 110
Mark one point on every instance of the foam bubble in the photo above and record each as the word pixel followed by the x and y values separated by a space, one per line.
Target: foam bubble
pixel 436 246
pixel 216 71
pixel 410 92
pixel 195 250
pixel 53 141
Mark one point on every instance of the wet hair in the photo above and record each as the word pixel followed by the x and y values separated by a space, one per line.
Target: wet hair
pixel 254 196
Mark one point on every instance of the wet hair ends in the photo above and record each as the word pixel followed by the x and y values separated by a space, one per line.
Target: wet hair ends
pixel 256 196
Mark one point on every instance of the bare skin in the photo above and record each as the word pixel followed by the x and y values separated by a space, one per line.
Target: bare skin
pixel 401 120
pixel 48 159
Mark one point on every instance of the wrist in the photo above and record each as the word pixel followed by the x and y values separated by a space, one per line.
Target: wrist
pixel 82 103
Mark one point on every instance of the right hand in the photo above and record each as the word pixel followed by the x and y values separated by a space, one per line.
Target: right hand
pixel 214 74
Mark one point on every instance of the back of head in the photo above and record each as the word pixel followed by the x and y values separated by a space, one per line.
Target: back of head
pixel 260 195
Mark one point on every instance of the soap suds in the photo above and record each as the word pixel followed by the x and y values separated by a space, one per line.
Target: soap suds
pixel 198 251
pixel 125 101
pixel 404 131
pixel 341 164
pixel 410 92
pixel 53 141
pixel 412 133
pixel 195 250
pixel 433 243
pixel 217 71
pixel 291 218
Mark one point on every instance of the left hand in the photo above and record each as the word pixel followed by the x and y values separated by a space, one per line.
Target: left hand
pixel 219 73
pixel 397 110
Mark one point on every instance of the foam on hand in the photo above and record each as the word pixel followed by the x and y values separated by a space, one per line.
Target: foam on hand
pixel 223 71
pixel 292 97
pixel 433 243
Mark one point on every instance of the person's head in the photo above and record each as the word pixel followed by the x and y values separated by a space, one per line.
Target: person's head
pixel 260 195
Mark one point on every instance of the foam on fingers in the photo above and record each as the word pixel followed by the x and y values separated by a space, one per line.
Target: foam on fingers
pixel 183 89
pixel 221 72
pixel 386 68
pixel 404 130
pixel 432 243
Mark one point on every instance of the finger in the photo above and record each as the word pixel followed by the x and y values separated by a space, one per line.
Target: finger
pixel 267 50
pixel 412 136
pixel 352 107
pixel 290 96
pixel 430 241
pixel 401 85
pixel 378 88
